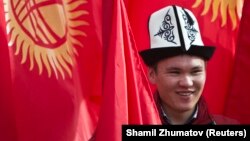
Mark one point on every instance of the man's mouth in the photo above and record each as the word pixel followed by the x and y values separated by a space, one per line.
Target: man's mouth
pixel 185 93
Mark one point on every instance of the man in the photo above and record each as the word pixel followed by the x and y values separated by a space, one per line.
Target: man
pixel 176 64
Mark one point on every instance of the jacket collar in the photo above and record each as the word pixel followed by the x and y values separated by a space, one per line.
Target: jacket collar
pixel 200 116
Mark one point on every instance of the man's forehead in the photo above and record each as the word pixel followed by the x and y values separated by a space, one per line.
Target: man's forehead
pixel 182 60
pixel 183 57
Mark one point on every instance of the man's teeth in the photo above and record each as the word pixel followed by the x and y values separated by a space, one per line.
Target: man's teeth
pixel 185 94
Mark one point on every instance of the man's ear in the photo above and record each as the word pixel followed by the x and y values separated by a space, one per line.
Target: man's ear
pixel 151 75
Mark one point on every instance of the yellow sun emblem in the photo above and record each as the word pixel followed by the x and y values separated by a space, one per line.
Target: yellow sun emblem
pixel 232 7
pixel 45 31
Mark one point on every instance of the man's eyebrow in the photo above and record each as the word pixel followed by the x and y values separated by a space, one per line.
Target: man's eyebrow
pixel 197 67
pixel 177 68
pixel 172 68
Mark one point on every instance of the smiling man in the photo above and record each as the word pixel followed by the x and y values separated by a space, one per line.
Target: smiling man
pixel 176 64
pixel 180 81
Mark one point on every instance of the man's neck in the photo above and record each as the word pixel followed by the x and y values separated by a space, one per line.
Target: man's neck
pixel 179 117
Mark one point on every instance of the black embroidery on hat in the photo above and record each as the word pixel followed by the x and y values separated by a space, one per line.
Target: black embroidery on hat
pixel 189 22
pixel 167 29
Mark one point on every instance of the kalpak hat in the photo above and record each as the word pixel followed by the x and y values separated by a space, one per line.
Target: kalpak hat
pixel 174 31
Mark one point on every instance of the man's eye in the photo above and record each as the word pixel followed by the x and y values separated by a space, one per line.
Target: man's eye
pixel 174 72
pixel 196 71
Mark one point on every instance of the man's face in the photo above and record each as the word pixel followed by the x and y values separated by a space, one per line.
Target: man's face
pixel 180 81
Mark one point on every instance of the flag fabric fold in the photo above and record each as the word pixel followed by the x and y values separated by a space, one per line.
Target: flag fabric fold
pixel 75 73
pixel 127 98
pixel 237 105
pixel 50 91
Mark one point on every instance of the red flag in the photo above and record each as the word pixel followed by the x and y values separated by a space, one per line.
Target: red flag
pixel 219 23
pixel 219 31
pixel 238 99
pixel 52 88
pixel 126 95
pixel 7 121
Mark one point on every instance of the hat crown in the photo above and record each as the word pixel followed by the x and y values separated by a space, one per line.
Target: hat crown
pixel 174 26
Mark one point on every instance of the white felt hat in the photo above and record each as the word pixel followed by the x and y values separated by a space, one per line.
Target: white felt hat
pixel 174 31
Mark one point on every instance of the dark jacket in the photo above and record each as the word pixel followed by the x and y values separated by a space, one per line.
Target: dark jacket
pixel 203 115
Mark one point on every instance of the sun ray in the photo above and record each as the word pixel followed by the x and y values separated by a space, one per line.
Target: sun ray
pixel 52 64
pixel 78 14
pixel 224 5
pixel 46 63
pixel 25 49
pixel 76 4
pixel 18 47
pixel 75 51
pixel 68 48
pixel 225 8
pixel 19 44
pixel 216 5
pixel 70 51
pixel 58 66
pixel 76 42
pixel 9 28
pixel 78 23
pixel 7 18
pixel 36 39
pixel 196 4
pixel 37 54
pixel 77 32
pixel 5 7
pixel 67 58
pixel 31 55
pixel 12 37
pixel 233 15
pixel 64 65
pixel 207 6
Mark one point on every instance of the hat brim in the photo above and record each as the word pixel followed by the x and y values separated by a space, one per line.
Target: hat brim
pixel 152 56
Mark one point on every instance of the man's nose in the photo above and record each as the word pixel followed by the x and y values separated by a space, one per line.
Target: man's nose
pixel 186 81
